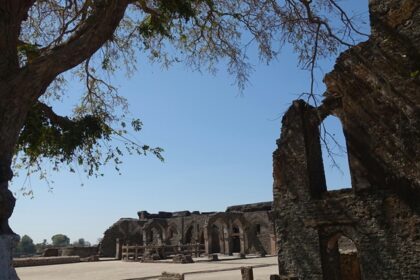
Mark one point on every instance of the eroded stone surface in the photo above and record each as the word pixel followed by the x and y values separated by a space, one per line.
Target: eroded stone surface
pixel 246 229
pixel 374 90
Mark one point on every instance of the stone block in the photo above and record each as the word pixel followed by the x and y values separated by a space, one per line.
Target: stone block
pixel 182 259
pixel 171 276
pixel 51 252
pixel 247 273
pixel 94 258
pixel 213 257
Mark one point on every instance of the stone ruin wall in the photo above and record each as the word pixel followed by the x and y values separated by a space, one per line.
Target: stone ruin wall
pixel 174 228
pixel 374 90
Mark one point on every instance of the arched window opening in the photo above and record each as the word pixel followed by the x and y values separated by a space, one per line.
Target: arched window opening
pixel 341 260
pixel 151 235
pixel 236 239
pixel 334 154
pixel 189 235
pixel 215 239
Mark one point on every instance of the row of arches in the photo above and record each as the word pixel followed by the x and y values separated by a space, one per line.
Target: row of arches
pixel 163 234
pixel 226 235
pixel 222 233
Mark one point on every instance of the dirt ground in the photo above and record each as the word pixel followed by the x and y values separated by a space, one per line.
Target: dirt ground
pixel 119 270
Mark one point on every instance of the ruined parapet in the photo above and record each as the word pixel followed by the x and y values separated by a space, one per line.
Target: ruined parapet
pixel 144 215
pixel 253 207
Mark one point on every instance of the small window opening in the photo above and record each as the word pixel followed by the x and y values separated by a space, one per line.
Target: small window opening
pixel 334 154
pixel 342 259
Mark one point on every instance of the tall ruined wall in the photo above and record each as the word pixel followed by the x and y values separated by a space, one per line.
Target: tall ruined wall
pixel 377 85
pixel 260 232
pixel 374 90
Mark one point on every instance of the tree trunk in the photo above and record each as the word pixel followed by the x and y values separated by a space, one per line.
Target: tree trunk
pixel 13 112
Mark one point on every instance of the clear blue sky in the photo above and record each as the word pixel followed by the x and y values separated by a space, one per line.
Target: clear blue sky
pixel 218 149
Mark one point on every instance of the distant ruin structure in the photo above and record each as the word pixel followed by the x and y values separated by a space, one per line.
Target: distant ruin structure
pixel 371 230
pixel 242 229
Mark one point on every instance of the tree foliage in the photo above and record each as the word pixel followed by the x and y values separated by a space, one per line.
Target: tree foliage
pixel 25 246
pixel 81 242
pixel 92 39
pixel 60 240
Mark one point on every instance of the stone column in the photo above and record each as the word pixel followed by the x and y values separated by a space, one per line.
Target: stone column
pixel 242 241
pixel 144 238
pixel 206 241
pixel 226 241
pixel 118 249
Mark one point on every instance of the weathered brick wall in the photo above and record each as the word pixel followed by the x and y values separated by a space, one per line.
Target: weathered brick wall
pixel 374 90
pixel 259 242
pixel 384 227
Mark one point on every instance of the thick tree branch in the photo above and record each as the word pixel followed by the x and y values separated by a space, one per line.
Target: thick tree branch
pixel 96 30
pixel 12 13
pixel 52 116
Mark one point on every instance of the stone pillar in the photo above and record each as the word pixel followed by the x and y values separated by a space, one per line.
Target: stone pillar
pixel 144 238
pixel 226 241
pixel 242 241
pixel 118 249
pixel 247 273
pixel 206 241
pixel 7 243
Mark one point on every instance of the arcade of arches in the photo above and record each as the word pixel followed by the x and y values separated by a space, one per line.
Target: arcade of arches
pixel 246 229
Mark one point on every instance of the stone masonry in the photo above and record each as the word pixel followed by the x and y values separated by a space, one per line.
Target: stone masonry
pixel 242 229
pixel 374 90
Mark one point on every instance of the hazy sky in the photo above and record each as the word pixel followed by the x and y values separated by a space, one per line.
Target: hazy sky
pixel 218 149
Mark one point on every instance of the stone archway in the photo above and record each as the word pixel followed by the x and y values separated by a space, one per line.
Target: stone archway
pixel 341 259
pixel 236 239
pixel 215 237
pixel 189 235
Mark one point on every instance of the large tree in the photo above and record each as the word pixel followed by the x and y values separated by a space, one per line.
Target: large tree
pixel 60 240
pixel 25 246
pixel 42 39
